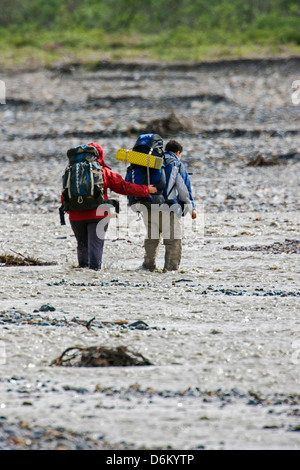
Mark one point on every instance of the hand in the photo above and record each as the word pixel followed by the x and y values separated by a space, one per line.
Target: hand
pixel 194 214
pixel 152 189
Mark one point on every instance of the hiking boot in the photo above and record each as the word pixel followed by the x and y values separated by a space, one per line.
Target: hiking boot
pixel 170 267
pixel 149 263
pixel 148 267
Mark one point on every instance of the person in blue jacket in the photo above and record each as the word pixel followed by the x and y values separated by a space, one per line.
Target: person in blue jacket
pixel 167 223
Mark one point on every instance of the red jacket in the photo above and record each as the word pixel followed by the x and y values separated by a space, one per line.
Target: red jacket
pixel 112 181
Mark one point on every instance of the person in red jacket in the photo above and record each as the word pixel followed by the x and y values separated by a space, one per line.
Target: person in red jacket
pixel 84 223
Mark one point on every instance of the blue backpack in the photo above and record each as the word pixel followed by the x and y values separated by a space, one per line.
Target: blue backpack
pixel 149 144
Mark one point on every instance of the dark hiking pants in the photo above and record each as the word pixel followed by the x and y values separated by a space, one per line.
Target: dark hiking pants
pixel 89 245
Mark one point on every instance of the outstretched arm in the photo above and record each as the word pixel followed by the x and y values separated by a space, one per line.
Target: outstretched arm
pixel 117 184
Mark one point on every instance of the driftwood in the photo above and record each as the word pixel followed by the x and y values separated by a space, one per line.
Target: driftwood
pixel 87 324
pixel 168 126
pixel 99 356
pixel 261 160
pixel 20 260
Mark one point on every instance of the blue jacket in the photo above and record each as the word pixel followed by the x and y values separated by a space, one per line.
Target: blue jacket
pixel 178 184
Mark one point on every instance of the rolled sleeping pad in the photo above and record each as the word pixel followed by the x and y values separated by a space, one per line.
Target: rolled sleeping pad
pixel 138 158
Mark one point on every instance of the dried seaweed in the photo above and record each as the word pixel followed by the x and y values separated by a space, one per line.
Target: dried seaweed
pixel 99 356
pixel 20 260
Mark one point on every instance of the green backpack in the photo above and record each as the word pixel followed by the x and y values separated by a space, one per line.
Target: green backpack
pixel 82 179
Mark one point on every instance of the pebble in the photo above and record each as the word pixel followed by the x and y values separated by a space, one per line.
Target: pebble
pixel 28 436
pixel 210 290
pixel 288 247
pixel 47 308
pixel 15 316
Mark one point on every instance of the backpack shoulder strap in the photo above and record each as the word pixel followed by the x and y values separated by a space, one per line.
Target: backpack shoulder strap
pixel 171 160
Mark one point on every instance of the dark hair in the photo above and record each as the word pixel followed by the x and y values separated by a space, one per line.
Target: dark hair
pixel 173 146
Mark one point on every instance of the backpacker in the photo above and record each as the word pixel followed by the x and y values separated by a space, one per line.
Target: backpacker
pixel 151 144
pixel 83 179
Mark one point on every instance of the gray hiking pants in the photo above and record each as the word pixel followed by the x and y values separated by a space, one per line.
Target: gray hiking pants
pixel 89 245
pixel 165 225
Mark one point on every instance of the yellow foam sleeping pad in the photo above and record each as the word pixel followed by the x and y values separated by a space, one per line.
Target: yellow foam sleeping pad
pixel 138 158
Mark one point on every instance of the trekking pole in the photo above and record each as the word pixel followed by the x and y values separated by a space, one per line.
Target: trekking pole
pixel 148 169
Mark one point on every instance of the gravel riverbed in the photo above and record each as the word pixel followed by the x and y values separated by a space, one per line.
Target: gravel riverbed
pixel 223 333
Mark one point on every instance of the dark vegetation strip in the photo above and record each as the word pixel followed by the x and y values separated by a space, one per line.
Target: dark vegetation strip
pixel 234 133
pixel 112 100
pixel 151 69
